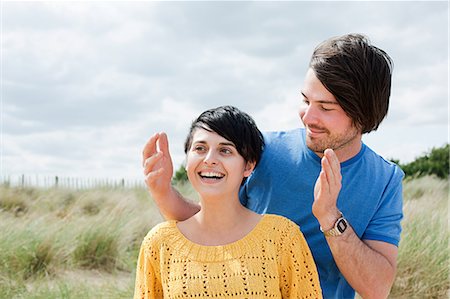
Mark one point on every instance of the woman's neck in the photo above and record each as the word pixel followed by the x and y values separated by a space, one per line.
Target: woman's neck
pixel 219 222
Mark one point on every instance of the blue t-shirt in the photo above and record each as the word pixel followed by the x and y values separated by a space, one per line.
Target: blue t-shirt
pixel 370 198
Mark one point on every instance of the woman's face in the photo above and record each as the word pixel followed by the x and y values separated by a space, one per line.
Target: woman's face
pixel 214 166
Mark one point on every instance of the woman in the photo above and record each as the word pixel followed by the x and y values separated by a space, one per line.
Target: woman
pixel 225 250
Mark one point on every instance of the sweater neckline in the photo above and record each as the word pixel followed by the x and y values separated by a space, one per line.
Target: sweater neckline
pixel 209 253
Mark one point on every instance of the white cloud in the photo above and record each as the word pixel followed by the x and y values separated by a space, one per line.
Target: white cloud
pixel 86 83
pixel 280 114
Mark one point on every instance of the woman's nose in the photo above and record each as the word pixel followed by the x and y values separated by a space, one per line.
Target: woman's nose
pixel 210 158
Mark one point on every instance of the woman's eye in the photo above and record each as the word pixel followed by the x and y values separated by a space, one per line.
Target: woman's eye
pixel 226 151
pixel 199 148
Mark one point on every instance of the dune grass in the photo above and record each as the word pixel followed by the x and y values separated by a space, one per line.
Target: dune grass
pixel 423 260
pixel 60 243
pixel 52 239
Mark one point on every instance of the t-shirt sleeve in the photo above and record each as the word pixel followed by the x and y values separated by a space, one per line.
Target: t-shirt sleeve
pixel 385 225
pixel 299 277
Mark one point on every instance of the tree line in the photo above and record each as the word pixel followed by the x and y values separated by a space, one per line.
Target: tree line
pixel 435 162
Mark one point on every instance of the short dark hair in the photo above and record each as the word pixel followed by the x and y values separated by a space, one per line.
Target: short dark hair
pixel 235 126
pixel 358 74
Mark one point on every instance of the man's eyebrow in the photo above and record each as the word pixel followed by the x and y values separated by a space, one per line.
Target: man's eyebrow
pixel 331 102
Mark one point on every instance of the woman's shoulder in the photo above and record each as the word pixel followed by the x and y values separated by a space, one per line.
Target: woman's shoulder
pixel 281 224
pixel 160 232
pixel 285 233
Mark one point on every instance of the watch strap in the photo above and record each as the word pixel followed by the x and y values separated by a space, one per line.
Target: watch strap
pixel 338 228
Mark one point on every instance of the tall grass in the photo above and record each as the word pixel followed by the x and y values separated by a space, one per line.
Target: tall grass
pixel 61 243
pixel 26 257
pixel 60 237
pixel 423 260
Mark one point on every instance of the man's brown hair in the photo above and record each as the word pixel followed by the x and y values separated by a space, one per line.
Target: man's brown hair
pixel 358 74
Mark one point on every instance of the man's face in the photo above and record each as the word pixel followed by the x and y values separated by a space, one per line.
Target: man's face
pixel 326 123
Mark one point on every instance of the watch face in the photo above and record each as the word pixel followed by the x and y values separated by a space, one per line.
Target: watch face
pixel 341 225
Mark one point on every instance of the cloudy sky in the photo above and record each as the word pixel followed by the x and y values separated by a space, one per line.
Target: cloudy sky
pixel 85 84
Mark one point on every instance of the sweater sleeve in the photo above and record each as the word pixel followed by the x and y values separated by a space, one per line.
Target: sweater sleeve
pixel 148 283
pixel 299 273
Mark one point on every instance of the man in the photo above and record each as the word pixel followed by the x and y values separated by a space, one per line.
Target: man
pixel 353 231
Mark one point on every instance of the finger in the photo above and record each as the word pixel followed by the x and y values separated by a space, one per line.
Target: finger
pixel 324 186
pixel 150 162
pixel 163 144
pixel 334 163
pixel 333 159
pixel 151 177
pixel 150 147
pixel 327 170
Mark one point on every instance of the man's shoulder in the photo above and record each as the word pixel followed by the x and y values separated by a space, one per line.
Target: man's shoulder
pixel 376 161
pixel 284 139
pixel 282 147
pixel 283 134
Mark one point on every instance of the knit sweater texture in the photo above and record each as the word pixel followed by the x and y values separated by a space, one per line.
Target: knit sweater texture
pixel 272 261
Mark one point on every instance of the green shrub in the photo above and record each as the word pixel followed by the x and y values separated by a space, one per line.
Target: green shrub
pixel 180 176
pixel 434 163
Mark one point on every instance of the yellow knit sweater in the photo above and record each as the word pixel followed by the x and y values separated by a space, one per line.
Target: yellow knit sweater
pixel 273 260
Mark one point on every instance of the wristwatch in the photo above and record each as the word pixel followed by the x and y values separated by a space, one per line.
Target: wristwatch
pixel 338 229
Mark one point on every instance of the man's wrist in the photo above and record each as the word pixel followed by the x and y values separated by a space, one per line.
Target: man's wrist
pixel 162 194
pixel 339 227
pixel 328 220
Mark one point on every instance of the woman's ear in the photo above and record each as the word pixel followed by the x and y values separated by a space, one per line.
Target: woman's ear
pixel 186 163
pixel 249 168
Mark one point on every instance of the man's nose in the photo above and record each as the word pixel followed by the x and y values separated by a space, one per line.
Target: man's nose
pixel 308 115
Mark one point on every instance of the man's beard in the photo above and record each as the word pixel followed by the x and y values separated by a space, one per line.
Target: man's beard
pixel 333 141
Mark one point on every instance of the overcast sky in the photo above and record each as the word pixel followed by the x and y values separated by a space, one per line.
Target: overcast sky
pixel 85 84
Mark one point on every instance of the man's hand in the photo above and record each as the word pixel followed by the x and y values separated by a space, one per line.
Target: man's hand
pixel 326 190
pixel 359 261
pixel 157 163
pixel 158 171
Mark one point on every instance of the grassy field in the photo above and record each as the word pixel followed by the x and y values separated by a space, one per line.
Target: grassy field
pixel 58 243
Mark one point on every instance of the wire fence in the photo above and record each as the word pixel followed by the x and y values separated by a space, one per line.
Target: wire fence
pixel 69 182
